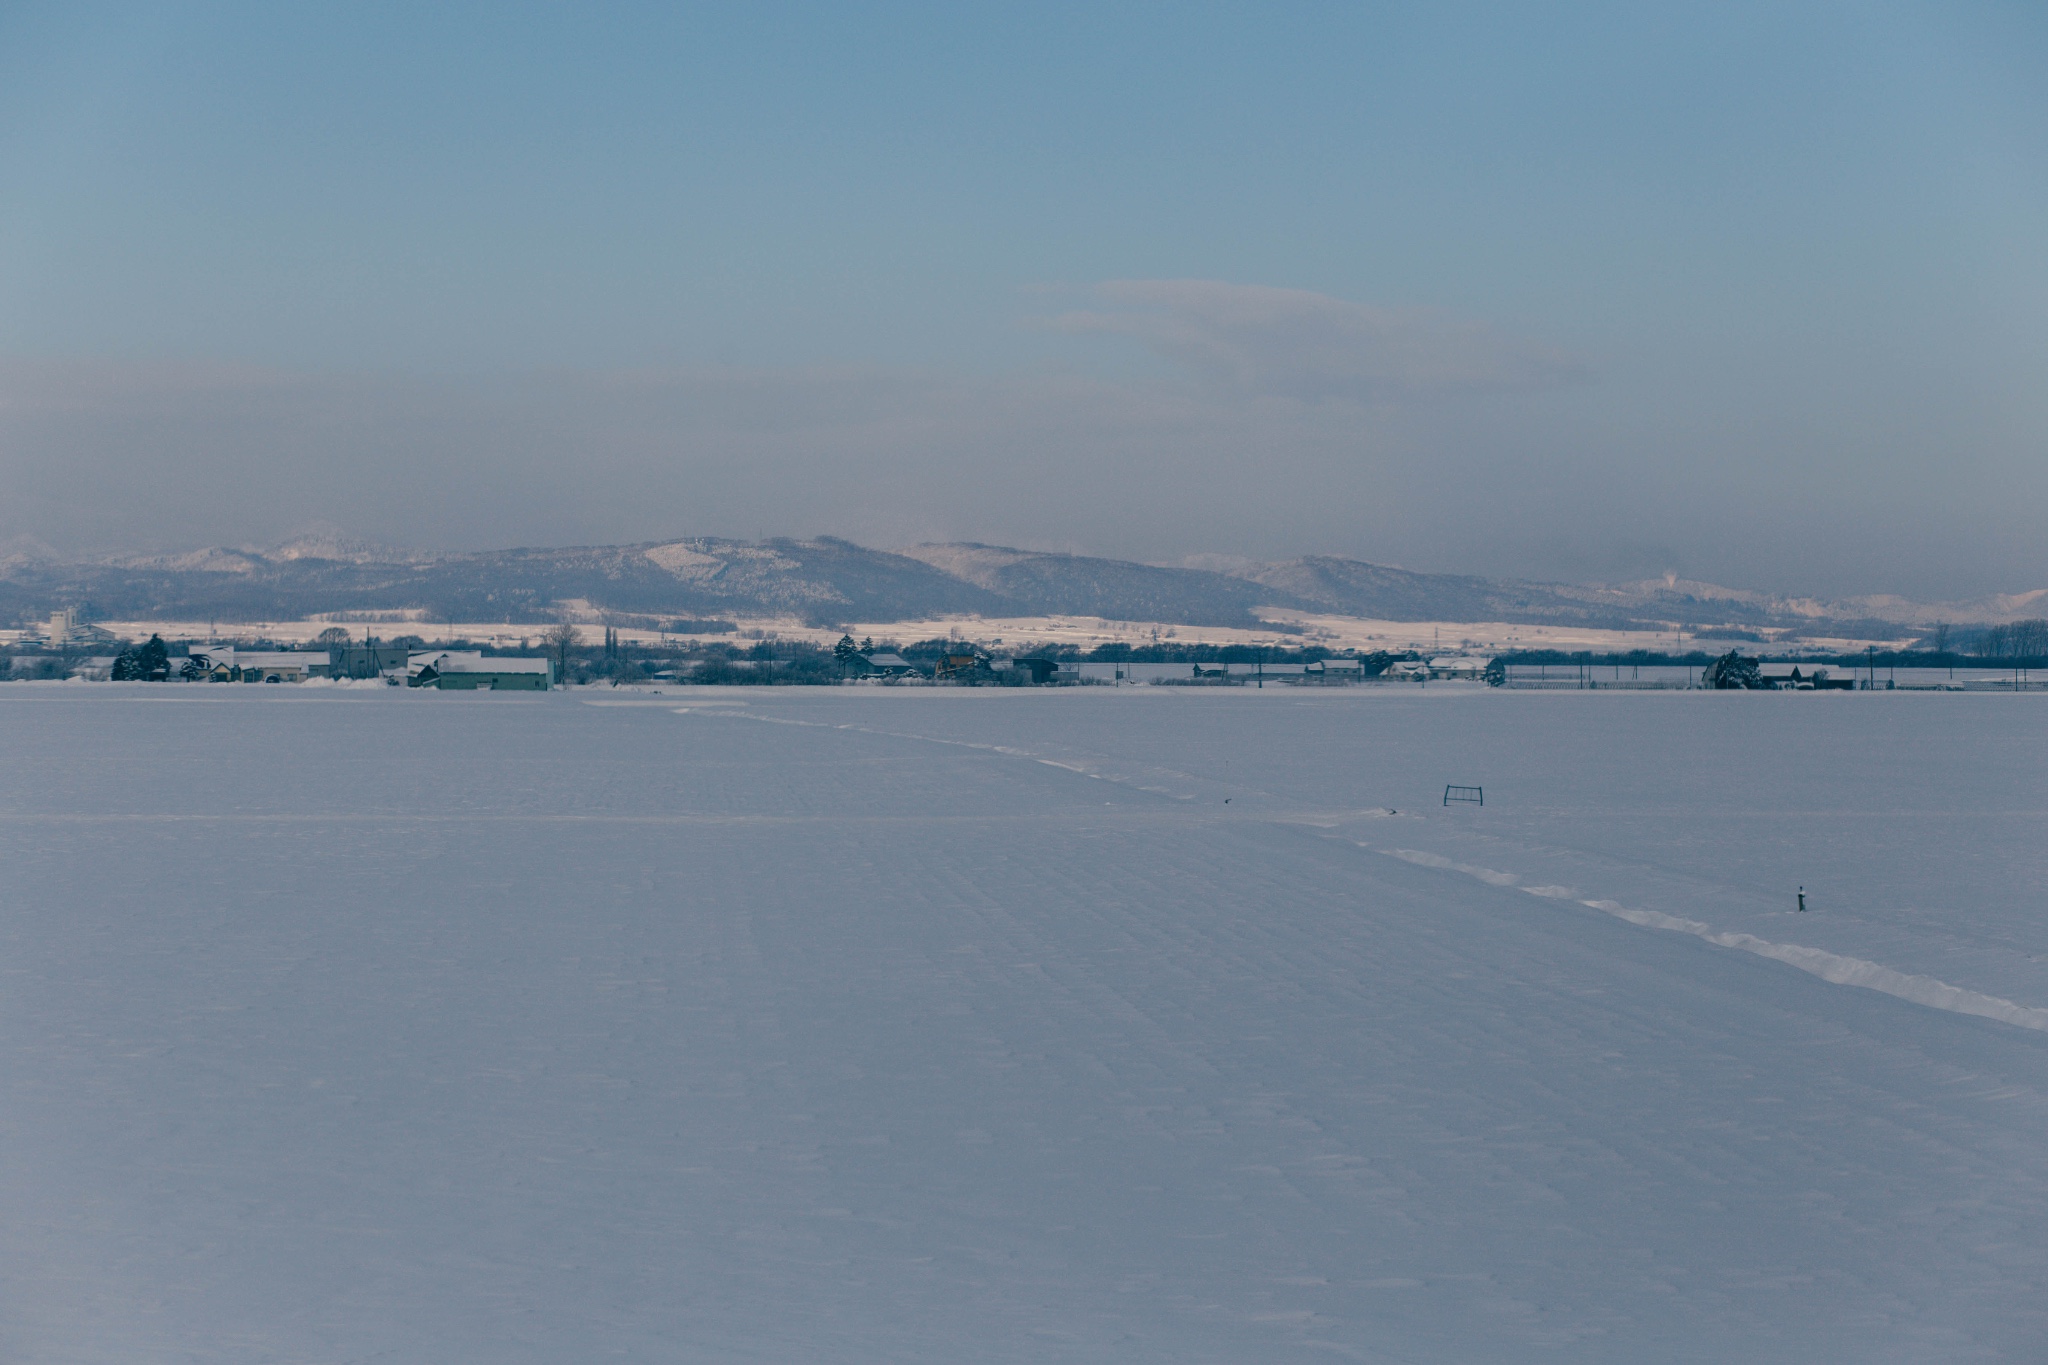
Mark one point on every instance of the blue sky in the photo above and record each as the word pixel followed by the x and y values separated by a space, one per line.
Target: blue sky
pixel 1754 294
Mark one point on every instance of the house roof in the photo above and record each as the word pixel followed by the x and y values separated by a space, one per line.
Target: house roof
pixel 296 658
pixel 472 663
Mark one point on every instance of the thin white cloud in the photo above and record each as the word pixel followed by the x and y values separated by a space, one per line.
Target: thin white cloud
pixel 1301 344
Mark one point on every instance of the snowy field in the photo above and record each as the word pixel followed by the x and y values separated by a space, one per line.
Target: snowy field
pixel 1083 1025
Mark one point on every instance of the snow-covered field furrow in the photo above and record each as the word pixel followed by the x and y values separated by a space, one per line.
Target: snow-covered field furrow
pixel 1084 1025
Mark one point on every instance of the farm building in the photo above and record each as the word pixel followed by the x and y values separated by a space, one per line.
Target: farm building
pixel 1042 671
pixel 887 665
pixel 471 671
pixel 962 664
pixel 1806 677
pixel 224 663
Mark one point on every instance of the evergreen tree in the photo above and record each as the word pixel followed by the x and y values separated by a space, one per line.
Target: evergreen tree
pixel 1732 670
pixel 148 662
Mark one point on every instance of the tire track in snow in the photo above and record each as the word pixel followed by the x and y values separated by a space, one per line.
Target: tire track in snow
pixel 1830 967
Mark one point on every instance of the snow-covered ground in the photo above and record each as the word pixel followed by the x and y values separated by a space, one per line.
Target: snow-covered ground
pixel 1144 1024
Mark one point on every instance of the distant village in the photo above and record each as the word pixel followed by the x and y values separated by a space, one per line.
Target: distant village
pixel 565 655
pixel 64 647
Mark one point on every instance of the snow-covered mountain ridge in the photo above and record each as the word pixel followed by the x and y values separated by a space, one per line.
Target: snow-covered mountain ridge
pixel 826 579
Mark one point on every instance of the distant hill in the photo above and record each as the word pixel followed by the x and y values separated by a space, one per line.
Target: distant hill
pixel 1350 587
pixel 1037 584
pixel 827 581
pixel 819 580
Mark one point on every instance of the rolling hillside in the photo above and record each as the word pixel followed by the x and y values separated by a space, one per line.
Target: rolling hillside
pixel 827 580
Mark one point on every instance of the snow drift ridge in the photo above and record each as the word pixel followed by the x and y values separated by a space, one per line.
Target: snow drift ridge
pixel 1831 967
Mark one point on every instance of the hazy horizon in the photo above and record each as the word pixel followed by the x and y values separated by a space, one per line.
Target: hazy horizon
pixel 1752 296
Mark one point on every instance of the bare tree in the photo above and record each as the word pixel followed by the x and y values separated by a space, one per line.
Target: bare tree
pixel 2020 640
pixel 560 639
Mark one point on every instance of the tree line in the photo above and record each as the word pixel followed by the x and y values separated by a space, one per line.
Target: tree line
pixel 2020 640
